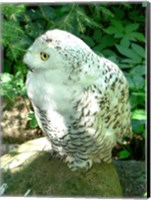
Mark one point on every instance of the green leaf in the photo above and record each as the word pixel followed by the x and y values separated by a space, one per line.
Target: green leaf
pixel 130 81
pixel 125 41
pixel 128 53
pixel 137 99
pixel 118 25
pixel 138 126
pixel 32 120
pixel 88 40
pixel 139 114
pixel 125 66
pixel 109 53
pixel 139 94
pixel 130 62
pixel 139 50
pixel 139 81
pixel 110 30
pixel 97 35
pixel 124 154
pixel 139 70
pixel 106 41
pixel 33 123
pixel 131 27
pixel 119 35
pixel 125 51
pixel 137 35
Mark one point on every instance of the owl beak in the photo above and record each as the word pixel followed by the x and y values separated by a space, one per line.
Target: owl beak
pixel 29 67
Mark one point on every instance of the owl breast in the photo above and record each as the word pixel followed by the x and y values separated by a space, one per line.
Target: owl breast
pixel 56 93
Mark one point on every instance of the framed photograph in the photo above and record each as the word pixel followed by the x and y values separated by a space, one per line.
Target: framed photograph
pixel 74 104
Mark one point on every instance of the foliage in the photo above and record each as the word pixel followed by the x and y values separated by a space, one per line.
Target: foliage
pixel 32 120
pixel 114 31
pixel 12 85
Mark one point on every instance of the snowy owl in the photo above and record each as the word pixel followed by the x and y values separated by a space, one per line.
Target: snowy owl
pixel 79 98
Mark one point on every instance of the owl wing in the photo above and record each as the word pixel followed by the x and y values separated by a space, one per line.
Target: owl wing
pixel 102 110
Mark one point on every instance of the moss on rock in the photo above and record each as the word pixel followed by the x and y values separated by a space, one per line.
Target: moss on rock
pixel 28 167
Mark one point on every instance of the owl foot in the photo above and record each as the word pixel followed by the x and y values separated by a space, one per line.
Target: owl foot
pixel 75 164
pixel 55 154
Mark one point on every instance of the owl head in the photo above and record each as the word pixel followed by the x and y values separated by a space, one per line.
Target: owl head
pixel 56 49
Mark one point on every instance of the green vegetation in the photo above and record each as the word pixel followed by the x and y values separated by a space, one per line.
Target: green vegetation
pixel 114 31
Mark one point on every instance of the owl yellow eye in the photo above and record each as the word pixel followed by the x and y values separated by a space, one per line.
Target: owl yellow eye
pixel 44 56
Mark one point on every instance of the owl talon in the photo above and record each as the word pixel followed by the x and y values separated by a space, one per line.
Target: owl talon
pixel 75 164
pixel 55 154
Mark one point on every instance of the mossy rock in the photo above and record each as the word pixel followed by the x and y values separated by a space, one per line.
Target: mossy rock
pixel 29 167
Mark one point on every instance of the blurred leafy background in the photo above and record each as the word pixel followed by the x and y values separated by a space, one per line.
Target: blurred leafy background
pixel 115 31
